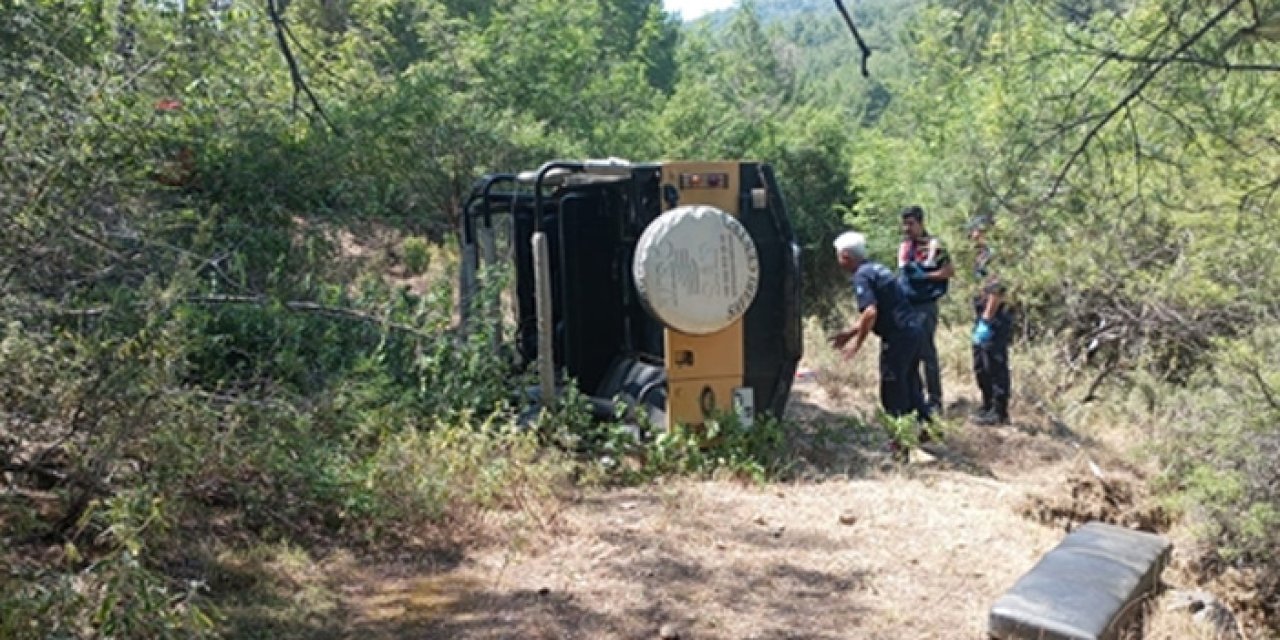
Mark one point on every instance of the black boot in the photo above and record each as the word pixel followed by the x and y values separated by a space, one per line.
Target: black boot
pixel 991 417
pixel 982 410
pixel 1001 409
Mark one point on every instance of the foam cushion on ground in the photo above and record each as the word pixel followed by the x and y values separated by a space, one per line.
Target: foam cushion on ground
pixel 1086 588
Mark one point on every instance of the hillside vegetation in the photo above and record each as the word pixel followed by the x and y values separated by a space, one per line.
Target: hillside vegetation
pixel 226 249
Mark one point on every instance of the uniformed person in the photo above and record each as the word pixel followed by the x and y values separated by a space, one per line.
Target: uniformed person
pixel 926 270
pixel 884 310
pixel 992 332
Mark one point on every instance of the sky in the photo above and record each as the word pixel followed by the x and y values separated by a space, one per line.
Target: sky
pixel 693 9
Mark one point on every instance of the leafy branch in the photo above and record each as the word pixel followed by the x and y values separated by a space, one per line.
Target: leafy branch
pixel 1268 393
pixel 283 36
pixel 313 307
pixel 1225 65
pixel 1159 64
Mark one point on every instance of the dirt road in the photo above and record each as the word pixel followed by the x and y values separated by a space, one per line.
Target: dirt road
pixel 855 547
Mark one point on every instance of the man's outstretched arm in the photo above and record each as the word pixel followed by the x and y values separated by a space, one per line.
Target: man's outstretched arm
pixel 866 320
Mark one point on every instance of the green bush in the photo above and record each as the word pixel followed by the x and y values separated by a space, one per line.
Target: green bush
pixel 116 596
pixel 723 444
pixel 417 255
pixel 1219 453
pixel 111 588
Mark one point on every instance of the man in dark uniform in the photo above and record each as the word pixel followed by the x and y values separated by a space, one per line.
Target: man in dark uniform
pixel 926 270
pixel 992 332
pixel 883 309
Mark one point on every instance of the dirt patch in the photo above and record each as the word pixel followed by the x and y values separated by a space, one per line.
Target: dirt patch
pixel 1007 451
pixel 846 558
pixel 375 247
pixel 1209 585
pixel 1088 496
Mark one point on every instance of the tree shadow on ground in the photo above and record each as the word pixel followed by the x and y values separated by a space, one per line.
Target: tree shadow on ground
pixel 704 577
pixel 1029 441
pixel 542 613
pixel 492 613
pixel 823 444
pixel 747 569
pixel 295 592
pixel 669 587
pixel 826 444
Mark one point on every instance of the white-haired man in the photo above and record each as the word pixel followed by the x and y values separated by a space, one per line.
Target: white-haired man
pixel 884 310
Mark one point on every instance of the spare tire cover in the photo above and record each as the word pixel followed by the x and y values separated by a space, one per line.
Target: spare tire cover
pixel 696 269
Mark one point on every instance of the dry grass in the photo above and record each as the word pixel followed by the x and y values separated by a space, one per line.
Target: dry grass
pixel 852 546
pixel 892 556
pixel 855 546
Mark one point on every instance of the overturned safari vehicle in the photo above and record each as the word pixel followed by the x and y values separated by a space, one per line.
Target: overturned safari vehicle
pixel 671 288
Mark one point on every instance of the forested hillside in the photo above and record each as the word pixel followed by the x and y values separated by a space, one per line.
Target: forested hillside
pixel 227 239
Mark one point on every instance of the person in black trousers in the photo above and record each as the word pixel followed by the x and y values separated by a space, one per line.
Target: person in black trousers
pixel 992 332
pixel 925 269
pixel 884 310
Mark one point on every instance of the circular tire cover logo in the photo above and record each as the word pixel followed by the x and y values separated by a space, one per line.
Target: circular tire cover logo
pixel 696 269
